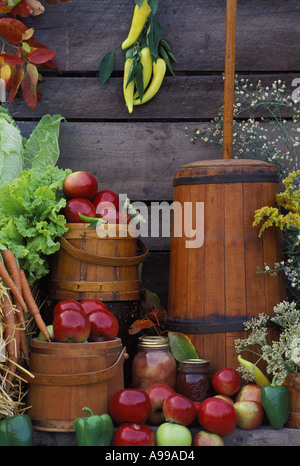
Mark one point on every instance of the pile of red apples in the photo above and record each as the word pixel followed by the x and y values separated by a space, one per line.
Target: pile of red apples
pixel 135 412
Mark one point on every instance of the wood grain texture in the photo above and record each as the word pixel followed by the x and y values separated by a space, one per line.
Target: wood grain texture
pixel 82 31
pixel 180 98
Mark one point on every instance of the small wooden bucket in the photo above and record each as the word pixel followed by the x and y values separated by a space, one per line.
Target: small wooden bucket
pixel 293 384
pixel 89 266
pixel 214 288
pixel 69 376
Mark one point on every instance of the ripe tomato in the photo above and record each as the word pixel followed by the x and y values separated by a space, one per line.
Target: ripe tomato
pixel 71 326
pixel 134 434
pixel 79 204
pixel 130 405
pixel 80 184
pixel 67 304
pixel 106 195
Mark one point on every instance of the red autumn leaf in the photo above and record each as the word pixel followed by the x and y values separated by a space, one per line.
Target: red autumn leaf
pixel 12 59
pixel 40 56
pixel 33 73
pixel 29 91
pixel 12 29
pixel 139 325
pixel 23 9
pixel 51 64
pixel 15 83
pixel 6 6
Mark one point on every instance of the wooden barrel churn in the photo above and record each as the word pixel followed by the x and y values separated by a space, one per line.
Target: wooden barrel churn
pixel 69 376
pixel 215 287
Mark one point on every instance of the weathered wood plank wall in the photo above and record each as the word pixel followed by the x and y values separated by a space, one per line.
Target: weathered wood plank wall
pixel 137 154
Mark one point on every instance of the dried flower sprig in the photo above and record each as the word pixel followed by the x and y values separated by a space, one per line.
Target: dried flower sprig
pixel 260 131
pixel 282 356
pixel 286 217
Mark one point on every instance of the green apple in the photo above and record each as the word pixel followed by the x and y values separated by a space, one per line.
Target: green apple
pixel 42 337
pixel 169 434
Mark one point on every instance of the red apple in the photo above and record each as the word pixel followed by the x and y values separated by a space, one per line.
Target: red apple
pixel 106 195
pixel 67 304
pixel 207 439
pixel 134 434
pixel 177 408
pixel 225 398
pixel 71 326
pixel 249 392
pixel 79 204
pixel 226 381
pixel 250 414
pixel 104 325
pixel 217 416
pixel 158 393
pixel 129 405
pixel 108 212
pixel 90 305
pixel 80 184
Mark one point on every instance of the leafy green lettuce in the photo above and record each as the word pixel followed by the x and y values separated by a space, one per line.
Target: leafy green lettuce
pixel 30 217
pixel 18 153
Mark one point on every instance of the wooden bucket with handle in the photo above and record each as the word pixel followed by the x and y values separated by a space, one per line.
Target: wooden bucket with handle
pixel 90 266
pixel 70 376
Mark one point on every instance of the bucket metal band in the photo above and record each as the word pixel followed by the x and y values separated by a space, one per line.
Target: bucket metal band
pixel 271 177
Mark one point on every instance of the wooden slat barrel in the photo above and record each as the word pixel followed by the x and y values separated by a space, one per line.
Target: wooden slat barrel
pixel 69 376
pixel 90 266
pixel 215 287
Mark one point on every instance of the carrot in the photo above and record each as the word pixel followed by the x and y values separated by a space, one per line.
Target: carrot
pixel 11 285
pixel 11 337
pixel 13 269
pixel 32 306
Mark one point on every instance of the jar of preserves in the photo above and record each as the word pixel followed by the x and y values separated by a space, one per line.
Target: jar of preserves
pixel 194 379
pixel 153 363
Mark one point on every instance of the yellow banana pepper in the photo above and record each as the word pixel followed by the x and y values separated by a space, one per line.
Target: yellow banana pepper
pixel 260 378
pixel 128 88
pixel 147 63
pixel 139 18
pixel 159 71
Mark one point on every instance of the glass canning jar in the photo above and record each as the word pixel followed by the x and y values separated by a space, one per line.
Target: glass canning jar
pixel 153 363
pixel 194 379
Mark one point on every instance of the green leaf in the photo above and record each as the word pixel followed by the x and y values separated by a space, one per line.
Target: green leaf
pixel 165 56
pixel 11 149
pixel 107 66
pixel 139 3
pixel 42 148
pixel 153 5
pixel 154 34
pixel 182 347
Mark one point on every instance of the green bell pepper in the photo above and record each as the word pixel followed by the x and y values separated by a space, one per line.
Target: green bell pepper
pixel 94 430
pixel 16 431
pixel 275 399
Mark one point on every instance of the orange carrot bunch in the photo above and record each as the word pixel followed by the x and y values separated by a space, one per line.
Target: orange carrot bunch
pixel 16 301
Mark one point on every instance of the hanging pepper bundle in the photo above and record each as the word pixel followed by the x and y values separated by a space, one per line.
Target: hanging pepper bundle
pixel 147 56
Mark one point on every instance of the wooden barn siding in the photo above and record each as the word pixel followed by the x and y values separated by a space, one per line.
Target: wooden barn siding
pixel 137 154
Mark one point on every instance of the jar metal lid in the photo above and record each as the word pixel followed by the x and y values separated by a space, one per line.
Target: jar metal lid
pixel 194 361
pixel 153 342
